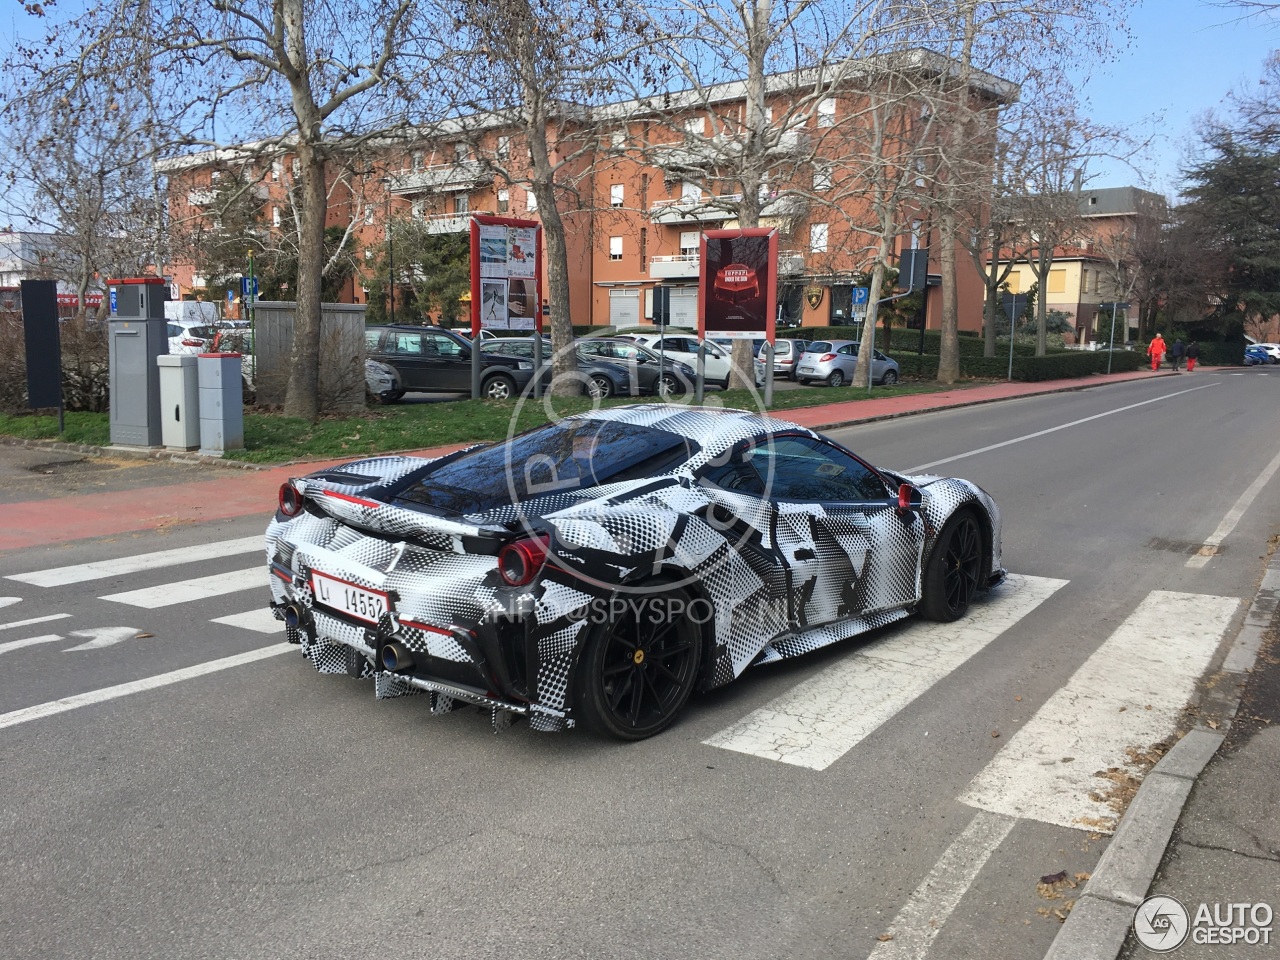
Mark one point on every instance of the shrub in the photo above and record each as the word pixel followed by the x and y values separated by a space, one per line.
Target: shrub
pixel 85 372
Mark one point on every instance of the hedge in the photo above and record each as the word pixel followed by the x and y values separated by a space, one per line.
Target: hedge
pixel 1055 366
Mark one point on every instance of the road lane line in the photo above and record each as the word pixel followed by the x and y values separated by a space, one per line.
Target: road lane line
pixel 1061 426
pixel 75 702
pixel 98 569
pixel 199 588
pixel 27 623
pixel 259 621
pixel 28 642
pixel 923 915
pixel 1128 695
pixel 818 721
pixel 1210 548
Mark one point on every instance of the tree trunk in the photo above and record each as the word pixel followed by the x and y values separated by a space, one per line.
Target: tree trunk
pixel 862 369
pixel 303 396
pixel 949 345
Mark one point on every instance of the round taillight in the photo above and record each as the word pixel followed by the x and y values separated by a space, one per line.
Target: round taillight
pixel 520 560
pixel 290 500
pixel 825 357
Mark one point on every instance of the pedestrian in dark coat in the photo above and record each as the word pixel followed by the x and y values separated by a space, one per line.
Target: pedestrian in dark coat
pixel 1176 350
pixel 1193 354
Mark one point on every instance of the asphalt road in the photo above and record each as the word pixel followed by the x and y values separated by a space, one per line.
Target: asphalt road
pixel 265 811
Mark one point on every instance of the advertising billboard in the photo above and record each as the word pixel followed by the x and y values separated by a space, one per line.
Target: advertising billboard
pixel 506 274
pixel 739 294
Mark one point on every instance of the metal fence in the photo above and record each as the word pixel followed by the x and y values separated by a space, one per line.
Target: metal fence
pixel 341 353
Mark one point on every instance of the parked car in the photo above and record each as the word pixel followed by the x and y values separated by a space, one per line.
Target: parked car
pixel 1256 353
pixel 601 378
pixel 685 349
pixel 189 336
pixel 1272 350
pixel 654 373
pixel 786 355
pixel 834 361
pixel 433 358
pixel 600 569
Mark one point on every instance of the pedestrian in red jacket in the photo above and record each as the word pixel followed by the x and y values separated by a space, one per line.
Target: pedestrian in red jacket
pixel 1156 352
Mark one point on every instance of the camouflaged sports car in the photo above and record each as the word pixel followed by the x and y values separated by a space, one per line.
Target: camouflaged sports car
pixel 602 568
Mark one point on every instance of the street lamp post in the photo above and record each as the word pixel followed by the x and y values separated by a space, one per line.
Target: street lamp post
pixel 391 253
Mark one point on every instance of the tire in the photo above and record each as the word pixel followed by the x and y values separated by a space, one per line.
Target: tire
pixel 791 375
pixel 953 572
pixel 637 671
pixel 599 387
pixel 890 378
pixel 667 386
pixel 835 378
pixel 804 381
pixel 391 396
pixel 498 387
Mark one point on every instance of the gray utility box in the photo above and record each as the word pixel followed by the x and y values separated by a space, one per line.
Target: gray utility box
pixel 179 402
pixel 137 335
pixel 221 403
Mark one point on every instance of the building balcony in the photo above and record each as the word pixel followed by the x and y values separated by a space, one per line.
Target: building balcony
pixel 207 197
pixel 790 264
pixel 694 209
pixel 451 222
pixel 725 150
pixel 442 178
pixel 680 267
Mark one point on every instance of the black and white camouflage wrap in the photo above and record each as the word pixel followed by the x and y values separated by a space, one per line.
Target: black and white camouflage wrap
pixel 782 578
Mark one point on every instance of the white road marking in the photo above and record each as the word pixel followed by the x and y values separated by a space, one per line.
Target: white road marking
pixel 1233 516
pixel 200 588
pixel 9 601
pixel 1062 426
pixel 29 642
pixel 27 623
pixel 820 720
pixel 922 916
pixel 1128 694
pixel 76 701
pixel 98 569
pixel 100 637
pixel 261 620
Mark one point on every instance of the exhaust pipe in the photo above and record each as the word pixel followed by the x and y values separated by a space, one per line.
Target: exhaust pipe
pixel 292 615
pixel 395 658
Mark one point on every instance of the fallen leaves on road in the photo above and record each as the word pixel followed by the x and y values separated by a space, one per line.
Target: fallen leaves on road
pixel 142 636
pixel 995 733
pixel 885 937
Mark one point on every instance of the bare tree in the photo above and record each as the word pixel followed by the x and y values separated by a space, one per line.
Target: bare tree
pixel 297 71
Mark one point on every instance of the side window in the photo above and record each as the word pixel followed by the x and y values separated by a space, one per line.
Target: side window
pixel 371 340
pixel 446 347
pixel 173 330
pixel 592 349
pixel 849 350
pixel 801 468
pixel 736 475
pixel 408 344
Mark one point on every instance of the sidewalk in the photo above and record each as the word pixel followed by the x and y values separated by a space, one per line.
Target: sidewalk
pixel 238 494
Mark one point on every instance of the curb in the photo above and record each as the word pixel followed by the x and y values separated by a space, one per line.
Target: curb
pixel 1096 929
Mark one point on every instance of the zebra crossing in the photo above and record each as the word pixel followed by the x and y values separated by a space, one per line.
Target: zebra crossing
pixel 1126 696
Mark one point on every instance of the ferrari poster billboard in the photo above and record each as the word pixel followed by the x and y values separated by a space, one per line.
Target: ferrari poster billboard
pixel 739 294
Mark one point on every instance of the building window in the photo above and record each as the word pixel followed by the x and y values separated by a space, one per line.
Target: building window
pixel 615 248
pixel 689 243
pixel 277 168
pixel 368 253
pixel 461 204
pixel 644 247
pixel 696 127
pixel 296 166
pixel 644 190
pixel 417 160
pixel 821 176
pixel 615 194
pixel 530 201
pixel 215 176
pixel 618 140
pixel 827 112
pixel 368 213
pixel 818 237
pixel 504 200
pixel 418 209
pixel 275 216
pixel 915 234
pixel 690 191
pixel 504 148
pixel 1057 281
pixel 1093 201
pixel 768 115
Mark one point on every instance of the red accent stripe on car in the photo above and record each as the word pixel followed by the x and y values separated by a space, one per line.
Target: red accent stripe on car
pixel 425 626
pixel 350 499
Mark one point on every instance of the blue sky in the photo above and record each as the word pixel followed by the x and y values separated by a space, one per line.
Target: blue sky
pixel 1185 57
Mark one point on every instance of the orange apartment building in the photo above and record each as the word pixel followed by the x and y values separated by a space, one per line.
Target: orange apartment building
pixel 636 196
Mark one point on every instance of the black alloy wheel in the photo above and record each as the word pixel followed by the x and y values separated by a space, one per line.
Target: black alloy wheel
pixel 639 669
pixel 954 570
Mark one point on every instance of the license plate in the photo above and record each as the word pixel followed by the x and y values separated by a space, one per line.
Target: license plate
pixel 359 602
pixel 806 369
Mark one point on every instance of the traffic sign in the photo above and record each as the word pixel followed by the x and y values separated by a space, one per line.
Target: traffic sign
pixel 245 285
pixel 861 295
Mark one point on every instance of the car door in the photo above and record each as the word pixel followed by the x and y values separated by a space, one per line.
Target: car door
pixel 450 362
pixel 406 352
pixel 847 550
